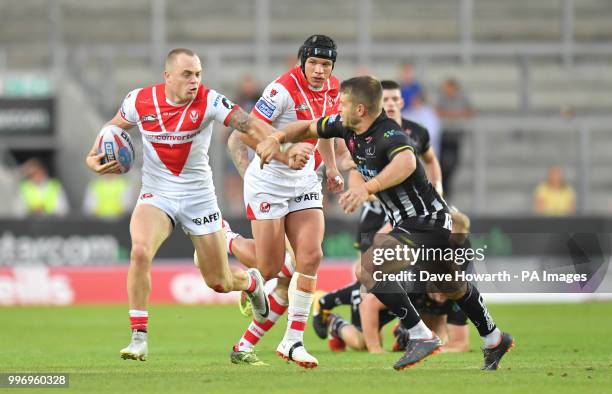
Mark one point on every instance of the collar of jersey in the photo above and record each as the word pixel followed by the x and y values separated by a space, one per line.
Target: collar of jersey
pixel 381 118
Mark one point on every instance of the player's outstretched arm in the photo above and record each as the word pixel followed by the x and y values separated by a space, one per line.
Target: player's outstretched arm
pixel 401 166
pixel 293 132
pixel 94 160
pixel 335 181
pixel 250 125
pixel 432 168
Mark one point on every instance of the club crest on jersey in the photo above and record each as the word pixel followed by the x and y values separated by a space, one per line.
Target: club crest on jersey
pixel 370 151
pixel 149 118
pixel 193 115
pixel 273 92
pixel 264 207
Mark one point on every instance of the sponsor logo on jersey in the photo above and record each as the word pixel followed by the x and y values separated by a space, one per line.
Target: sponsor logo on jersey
pixel 351 144
pixel 333 118
pixel 264 207
pixel 171 113
pixel 213 217
pixel 149 118
pixel 301 107
pixel 370 151
pixel 227 103
pixel 390 133
pixel 265 108
pixel 193 115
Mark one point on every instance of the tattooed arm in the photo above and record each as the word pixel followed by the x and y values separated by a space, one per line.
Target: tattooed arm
pixel 238 152
pixel 255 128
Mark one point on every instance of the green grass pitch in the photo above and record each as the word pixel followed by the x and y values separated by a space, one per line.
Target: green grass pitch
pixel 561 348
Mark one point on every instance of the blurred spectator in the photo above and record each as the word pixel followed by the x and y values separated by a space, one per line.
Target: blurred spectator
pixel 425 115
pixel 248 92
pixel 409 86
pixel 108 196
pixel 454 110
pixel 40 195
pixel 555 197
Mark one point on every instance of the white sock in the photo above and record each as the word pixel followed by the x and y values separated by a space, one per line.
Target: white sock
pixel 492 340
pixel 137 313
pixel 288 269
pixel 420 331
pixel 299 309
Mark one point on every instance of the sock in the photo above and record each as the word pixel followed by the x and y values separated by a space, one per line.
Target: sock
pixel 492 340
pixel 420 331
pixel 339 297
pixel 474 307
pixel 394 297
pixel 251 283
pixel 229 238
pixel 287 269
pixel 139 320
pixel 257 330
pixel 299 306
pixel 336 325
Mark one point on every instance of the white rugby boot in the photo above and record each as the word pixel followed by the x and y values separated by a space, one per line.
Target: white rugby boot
pixel 296 352
pixel 137 349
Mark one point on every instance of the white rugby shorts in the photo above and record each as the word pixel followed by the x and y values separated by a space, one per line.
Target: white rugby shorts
pixel 198 213
pixel 272 197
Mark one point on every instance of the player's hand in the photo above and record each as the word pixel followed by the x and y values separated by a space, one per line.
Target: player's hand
pixel 353 198
pixel 335 182
pixel 298 155
pixel 94 162
pixel 267 148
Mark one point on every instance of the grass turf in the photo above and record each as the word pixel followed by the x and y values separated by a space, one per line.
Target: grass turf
pixel 560 348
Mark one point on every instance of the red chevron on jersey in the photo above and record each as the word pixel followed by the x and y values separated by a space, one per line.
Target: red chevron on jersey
pixel 160 116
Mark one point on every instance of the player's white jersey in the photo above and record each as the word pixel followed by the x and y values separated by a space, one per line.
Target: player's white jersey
pixel 176 138
pixel 286 100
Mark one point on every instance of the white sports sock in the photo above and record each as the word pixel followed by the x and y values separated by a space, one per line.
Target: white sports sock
pixel 288 269
pixel 299 309
pixel 420 331
pixel 492 340
pixel 137 313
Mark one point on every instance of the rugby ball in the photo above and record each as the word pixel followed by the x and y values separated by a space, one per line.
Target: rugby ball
pixel 116 144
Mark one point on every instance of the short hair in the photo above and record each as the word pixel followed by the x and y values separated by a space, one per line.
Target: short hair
pixel 178 51
pixel 364 90
pixel 388 84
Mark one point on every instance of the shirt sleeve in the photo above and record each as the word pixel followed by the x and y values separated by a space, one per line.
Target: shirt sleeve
pixel 272 103
pixel 221 108
pixel 330 127
pixel 394 142
pixel 425 139
pixel 128 111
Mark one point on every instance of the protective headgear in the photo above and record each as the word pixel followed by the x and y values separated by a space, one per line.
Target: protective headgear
pixel 320 46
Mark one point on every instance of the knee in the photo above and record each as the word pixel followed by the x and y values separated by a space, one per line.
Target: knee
pixel 141 254
pixel 219 284
pixel 268 272
pixel 308 261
